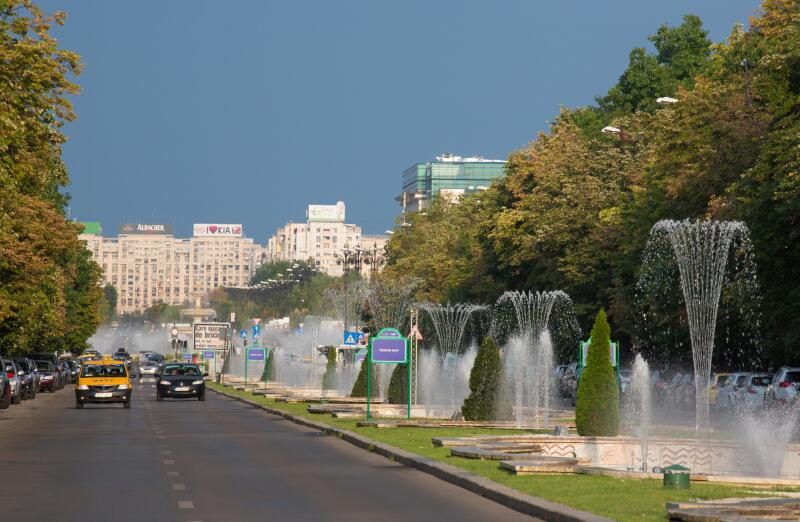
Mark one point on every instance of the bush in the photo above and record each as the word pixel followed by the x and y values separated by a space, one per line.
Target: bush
pixel 329 379
pixel 484 384
pixel 269 368
pixel 360 386
pixel 597 408
pixel 398 385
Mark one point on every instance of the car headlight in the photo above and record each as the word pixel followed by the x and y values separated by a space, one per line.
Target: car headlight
pixel 44 377
pixel 83 387
pixel 123 387
pixel 164 383
pixel 198 382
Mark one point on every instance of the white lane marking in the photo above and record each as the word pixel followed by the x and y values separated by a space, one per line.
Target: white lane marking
pixel 166 452
pixel 178 487
pixel 163 445
pixel 161 437
pixel 172 473
pixel 185 504
pixel 169 462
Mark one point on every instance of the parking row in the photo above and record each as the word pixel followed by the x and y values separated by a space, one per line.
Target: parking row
pixel 24 377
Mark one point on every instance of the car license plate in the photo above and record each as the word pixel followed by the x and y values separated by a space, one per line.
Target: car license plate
pixel 182 388
pixel 102 395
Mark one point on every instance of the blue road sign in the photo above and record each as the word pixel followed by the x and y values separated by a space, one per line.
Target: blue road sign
pixel 256 329
pixel 187 356
pixel 255 354
pixel 353 338
pixel 208 354
pixel 243 334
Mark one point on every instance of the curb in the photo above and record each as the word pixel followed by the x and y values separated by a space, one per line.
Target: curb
pixel 504 495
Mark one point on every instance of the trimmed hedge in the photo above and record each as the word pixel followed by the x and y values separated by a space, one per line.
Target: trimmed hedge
pixel 484 384
pixel 597 408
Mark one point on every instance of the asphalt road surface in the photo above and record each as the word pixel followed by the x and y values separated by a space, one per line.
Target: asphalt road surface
pixel 218 460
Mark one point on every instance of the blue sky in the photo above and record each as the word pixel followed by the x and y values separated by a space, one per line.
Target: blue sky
pixel 246 111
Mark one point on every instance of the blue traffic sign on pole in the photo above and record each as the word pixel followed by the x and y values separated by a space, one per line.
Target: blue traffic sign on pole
pixel 353 338
pixel 243 334
pixel 187 356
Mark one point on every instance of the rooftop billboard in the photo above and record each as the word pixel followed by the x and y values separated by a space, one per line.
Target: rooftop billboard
pixel 92 228
pixel 328 213
pixel 217 230
pixel 146 228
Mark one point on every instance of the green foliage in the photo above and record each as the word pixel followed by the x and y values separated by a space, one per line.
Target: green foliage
pixel 329 378
pixel 398 385
pixel 269 373
pixel 484 384
pixel 597 408
pixel 360 386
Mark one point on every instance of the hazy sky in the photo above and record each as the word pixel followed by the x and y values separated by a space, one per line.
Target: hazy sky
pixel 246 111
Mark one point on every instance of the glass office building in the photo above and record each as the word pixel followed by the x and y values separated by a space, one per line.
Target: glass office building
pixel 448 175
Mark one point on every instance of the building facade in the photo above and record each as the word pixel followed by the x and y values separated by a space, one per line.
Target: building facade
pixel 147 264
pixel 323 239
pixel 449 175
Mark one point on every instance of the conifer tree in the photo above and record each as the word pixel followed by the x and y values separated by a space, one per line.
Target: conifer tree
pixel 597 408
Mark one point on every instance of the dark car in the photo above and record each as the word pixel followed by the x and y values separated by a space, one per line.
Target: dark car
pixel 5 387
pixel 47 376
pixel 29 376
pixel 72 367
pixel 180 381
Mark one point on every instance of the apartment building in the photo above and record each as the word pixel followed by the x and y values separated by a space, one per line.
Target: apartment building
pixel 148 264
pixel 323 238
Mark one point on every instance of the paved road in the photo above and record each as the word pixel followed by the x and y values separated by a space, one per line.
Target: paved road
pixel 218 460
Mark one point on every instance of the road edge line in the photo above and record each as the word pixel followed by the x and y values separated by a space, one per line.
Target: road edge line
pixel 487 488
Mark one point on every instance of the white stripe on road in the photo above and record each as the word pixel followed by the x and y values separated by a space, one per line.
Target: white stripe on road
pixel 185 504
pixel 178 487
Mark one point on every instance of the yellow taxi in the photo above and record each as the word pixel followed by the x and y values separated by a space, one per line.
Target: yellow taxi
pixel 105 380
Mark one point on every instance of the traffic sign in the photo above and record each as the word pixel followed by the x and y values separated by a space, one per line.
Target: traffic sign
pixel 187 356
pixel 255 354
pixel 208 354
pixel 353 338
pixel 256 328
pixel 243 334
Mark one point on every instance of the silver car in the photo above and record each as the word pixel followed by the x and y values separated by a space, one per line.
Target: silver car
pixel 12 372
pixel 726 394
pixel 5 387
pixel 750 395
pixel 783 388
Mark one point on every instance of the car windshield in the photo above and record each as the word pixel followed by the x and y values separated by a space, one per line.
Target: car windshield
pixel 10 366
pixel 761 380
pixel 721 379
pixel 740 380
pixel 23 364
pixel 44 366
pixel 181 370
pixel 103 370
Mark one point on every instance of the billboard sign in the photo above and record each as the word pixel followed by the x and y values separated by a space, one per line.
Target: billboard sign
pixel 92 228
pixel 211 336
pixel 389 347
pixel 327 213
pixel 146 229
pixel 217 230
pixel 255 354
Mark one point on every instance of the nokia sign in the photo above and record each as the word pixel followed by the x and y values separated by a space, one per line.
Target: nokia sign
pixel 146 228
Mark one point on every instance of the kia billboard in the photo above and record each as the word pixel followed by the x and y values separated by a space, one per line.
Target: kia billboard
pixel 216 229
pixel 146 228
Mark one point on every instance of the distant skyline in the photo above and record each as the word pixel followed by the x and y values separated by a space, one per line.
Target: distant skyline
pixel 248 111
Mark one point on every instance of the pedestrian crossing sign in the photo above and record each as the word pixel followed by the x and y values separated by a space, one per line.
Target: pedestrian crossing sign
pixel 353 338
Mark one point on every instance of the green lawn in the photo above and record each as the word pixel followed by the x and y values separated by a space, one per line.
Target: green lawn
pixel 619 499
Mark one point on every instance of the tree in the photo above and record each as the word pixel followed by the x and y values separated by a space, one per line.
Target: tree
pixel 269 373
pixel 398 385
pixel 330 377
pixel 484 384
pixel 108 305
pixel 360 386
pixel 597 408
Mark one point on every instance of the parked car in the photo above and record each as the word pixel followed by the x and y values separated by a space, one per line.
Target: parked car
pixel 659 385
pixel 569 382
pixel 12 372
pixel 177 380
pixel 72 368
pixel 48 376
pixel 29 375
pixel 65 372
pixel 672 391
pixel 624 380
pixel 783 388
pixel 686 392
pixel 726 393
pixel 717 380
pixel 5 387
pixel 751 394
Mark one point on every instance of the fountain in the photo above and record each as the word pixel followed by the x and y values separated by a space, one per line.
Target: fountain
pixel 529 350
pixel 449 322
pixel 641 403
